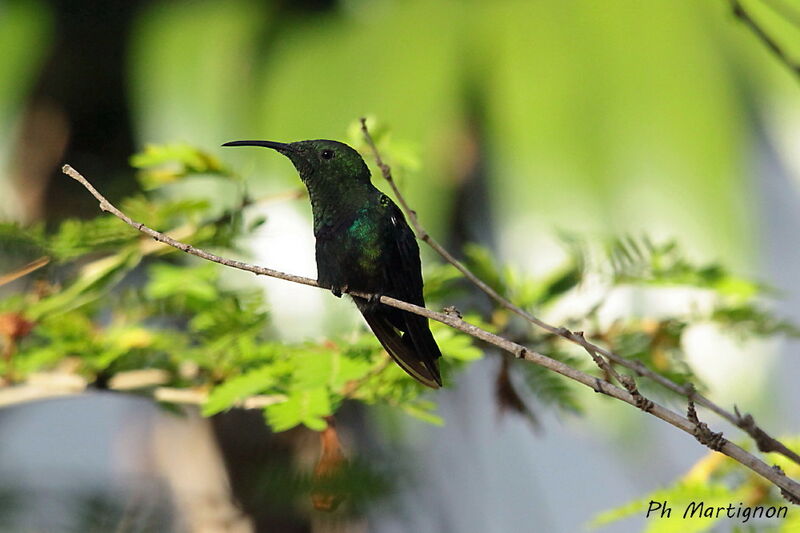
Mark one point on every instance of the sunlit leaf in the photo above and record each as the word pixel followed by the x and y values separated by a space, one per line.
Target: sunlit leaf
pixel 550 388
pixel 95 279
pixel 179 280
pixel 235 389
pixel 457 345
pixel 162 164
pixel 678 498
pixel 424 411
pixel 307 407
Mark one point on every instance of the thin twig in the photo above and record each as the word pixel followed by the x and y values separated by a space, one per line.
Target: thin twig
pixel 36 264
pixel 749 426
pixel 604 365
pixel 106 206
pixel 788 485
pixel 764 442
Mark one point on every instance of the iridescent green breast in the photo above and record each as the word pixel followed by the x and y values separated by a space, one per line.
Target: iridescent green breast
pixel 364 240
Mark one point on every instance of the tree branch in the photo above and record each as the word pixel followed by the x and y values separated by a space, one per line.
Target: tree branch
pixel 765 442
pixel 789 487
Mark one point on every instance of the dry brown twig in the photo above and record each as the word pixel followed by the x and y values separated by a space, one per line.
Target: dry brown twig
pixel 786 484
pixel 36 264
pixel 765 442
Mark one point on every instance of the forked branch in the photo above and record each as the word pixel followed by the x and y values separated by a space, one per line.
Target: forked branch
pixel 789 487
pixel 765 442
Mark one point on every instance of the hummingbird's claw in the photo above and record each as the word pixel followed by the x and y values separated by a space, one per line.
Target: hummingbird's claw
pixel 338 291
pixel 375 298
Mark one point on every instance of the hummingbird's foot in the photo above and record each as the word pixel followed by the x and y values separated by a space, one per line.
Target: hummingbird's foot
pixel 375 298
pixel 338 291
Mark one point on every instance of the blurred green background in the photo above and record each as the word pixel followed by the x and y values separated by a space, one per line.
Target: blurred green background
pixel 622 116
pixel 518 119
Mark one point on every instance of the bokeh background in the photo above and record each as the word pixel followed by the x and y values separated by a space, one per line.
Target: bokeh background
pixel 521 119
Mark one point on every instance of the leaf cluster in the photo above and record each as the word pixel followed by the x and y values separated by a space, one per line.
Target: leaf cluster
pixel 112 301
pixel 588 278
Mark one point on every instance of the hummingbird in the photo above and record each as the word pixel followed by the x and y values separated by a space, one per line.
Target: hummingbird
pixel 364 244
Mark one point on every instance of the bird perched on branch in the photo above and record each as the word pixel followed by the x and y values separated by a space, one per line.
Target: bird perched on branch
pixel 365 245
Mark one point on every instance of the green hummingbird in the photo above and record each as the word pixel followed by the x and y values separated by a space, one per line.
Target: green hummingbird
pixel 364 244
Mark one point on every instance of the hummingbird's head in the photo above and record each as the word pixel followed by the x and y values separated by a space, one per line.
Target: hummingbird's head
pixel 319 160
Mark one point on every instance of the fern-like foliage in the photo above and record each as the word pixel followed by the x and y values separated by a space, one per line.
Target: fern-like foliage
pixel 112 300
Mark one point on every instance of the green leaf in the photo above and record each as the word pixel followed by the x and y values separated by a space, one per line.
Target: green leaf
pixel 198 283
pixel 517 287
pixel 423 410
pixel 39 358
pixel 481 262
pixel 164 215
pixel 307 407
pixel 457 345
pixel 56 337
pixel 678 498
pixel 237 314
pixel 235 389
pixel 553 389
pixel 78 237
pixel 439 280
pixel 94 280
pixel 16 240
pixel 323 366
pixel 559 283
pixel 748 319
pixel 314 368
pixel 642 261
pixel 162 164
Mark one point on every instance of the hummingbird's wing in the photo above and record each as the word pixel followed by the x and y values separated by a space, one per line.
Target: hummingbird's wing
pixel 405 336
pixel 405 275
pixel 403 352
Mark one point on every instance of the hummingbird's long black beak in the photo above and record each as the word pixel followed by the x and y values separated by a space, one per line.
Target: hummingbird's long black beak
pixel 280 147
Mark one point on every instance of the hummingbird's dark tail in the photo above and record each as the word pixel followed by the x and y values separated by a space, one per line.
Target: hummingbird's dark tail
pixel 415 351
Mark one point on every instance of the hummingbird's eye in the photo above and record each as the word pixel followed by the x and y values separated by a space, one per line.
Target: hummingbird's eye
pixel 327 154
